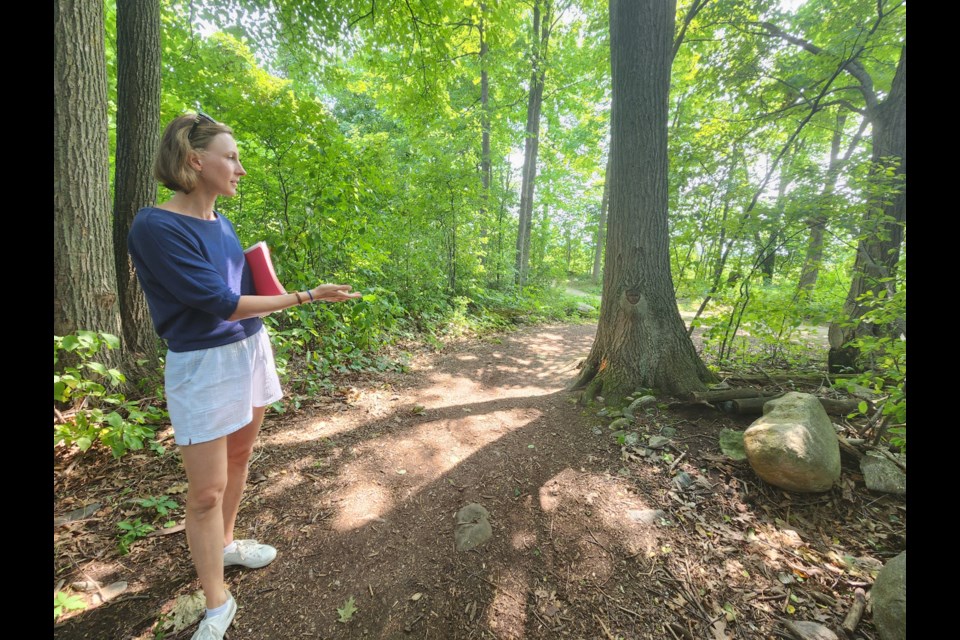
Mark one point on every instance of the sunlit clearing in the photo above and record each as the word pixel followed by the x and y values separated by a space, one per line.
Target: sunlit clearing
pixel 507 612
pixel 410 460
pixel 360 504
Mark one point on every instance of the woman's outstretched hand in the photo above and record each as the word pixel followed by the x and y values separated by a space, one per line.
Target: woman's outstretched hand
pixel 334 293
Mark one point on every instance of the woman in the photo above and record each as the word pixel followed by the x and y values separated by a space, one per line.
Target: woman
pixel 220 373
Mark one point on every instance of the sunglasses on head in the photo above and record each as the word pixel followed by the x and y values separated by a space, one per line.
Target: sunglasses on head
pixel 200 116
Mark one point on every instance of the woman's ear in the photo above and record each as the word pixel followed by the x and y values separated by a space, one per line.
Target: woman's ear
pixel 193 159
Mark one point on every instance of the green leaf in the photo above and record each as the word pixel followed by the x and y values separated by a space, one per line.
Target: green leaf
pixel 862 407
pixel 112 341
pixel 347 610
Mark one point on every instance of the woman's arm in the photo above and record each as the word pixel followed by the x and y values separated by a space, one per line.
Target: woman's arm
pixel 252 306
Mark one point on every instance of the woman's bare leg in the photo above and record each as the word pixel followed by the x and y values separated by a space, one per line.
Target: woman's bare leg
pixel 206 467
pixel 239 449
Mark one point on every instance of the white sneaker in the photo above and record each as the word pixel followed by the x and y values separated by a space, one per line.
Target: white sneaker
pixel 250 554
pixel 215 628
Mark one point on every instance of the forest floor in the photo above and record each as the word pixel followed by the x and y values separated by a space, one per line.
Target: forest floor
pixel 591 539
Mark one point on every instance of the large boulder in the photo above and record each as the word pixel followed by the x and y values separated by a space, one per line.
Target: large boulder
pixel 889 599
pixel 794 445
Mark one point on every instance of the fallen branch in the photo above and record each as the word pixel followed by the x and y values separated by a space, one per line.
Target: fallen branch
pixel 754 405
pixel 722 395
pixel 853 616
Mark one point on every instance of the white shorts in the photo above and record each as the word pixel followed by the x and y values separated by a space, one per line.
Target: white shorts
pixel 211 392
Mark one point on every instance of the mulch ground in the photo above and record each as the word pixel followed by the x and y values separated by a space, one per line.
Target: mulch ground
pixel 591 539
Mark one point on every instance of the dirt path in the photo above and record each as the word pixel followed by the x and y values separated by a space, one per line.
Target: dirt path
pixel 359 496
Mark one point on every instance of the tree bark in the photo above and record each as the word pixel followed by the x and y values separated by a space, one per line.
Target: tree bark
pixel 641 339
pixel 138 122
pixel 602 224
pixel 84 274
pixel 878 252
pixel 541 39
pixel 485 164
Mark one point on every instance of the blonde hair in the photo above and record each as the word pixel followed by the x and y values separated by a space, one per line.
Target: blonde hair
pixel 171 167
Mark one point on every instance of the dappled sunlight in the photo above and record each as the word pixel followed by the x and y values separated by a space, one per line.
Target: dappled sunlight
pixel 361 504
pixel 595 513
pixel 310 431
pixel 407 462
pixel 507 613
pixel 449 391
pixel 281 482
pixel 523 540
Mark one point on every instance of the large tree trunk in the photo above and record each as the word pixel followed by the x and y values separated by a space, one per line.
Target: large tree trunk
pixel 641 341
pixel 138 121
pixel 602 224
pixel 84 275
pixel 484 127
pixel 541 38
pixel 878 251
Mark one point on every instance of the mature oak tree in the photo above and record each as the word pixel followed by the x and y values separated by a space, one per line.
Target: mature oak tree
pixel 641 340
pixel 138 117
pixel 84 274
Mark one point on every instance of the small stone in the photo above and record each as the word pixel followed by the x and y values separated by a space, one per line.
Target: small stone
pixel 883 475
pixel 668 432
pixel 682 480
pixel 620 423
pixel 631 438
pixel 597 431
pixel 657 442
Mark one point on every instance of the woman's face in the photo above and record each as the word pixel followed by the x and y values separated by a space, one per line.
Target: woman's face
pixel 220 167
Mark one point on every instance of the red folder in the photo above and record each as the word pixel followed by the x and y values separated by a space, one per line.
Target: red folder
pixel 265 281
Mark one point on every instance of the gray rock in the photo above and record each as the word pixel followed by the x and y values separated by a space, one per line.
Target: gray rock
pixel 794 445
pixel 620 423
pixel 889 599
pixel 731 444
pixel 810 630
pixel 682 480
pixel 631 438
pixel 881 474
pixel 657 442
pixel 472 528
pixel 668 432
pixel 584 309
pixel 597 431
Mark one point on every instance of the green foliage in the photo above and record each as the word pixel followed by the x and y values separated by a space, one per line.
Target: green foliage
pixel 89 393
pixel 63 602
pixel 162 504
pixel 130 532
pixel 885 354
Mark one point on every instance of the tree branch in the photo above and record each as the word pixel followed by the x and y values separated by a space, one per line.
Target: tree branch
pixel 687 19
pixel 369 14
